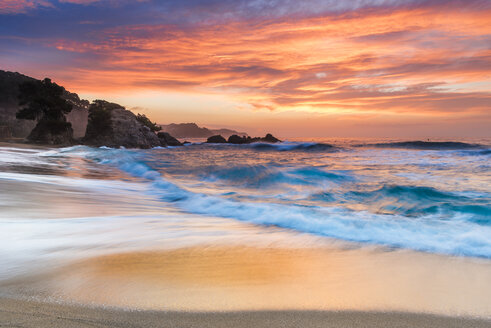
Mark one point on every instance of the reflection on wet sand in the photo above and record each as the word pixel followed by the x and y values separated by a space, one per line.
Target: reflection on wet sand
pixel 247 278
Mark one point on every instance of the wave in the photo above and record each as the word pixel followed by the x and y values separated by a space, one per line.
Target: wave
pixel 271 175
pixel 453 234
pixel 414 201
pixel 426 145
pixel 293 146
pixel 483 152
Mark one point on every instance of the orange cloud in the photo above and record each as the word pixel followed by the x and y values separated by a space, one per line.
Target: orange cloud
pixel 406 62
pixel 360 61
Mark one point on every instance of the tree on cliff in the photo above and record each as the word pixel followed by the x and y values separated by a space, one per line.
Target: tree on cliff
pixel 143 119
pixel 42 101
pixel 99 125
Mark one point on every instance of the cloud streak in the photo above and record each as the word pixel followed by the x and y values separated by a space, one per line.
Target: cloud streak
pixel 327 57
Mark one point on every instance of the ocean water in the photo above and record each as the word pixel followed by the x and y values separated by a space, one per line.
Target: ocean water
pixel 81 201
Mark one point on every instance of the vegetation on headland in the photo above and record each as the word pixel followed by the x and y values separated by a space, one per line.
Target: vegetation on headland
pixel 11 127
pixel 143 119
pixel 99 122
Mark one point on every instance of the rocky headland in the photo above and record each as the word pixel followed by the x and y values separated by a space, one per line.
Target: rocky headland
pixel 43 112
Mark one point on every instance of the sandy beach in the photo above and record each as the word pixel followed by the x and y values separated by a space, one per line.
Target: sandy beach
pixel 84 244
pixel 240 278
pixel 245 164
pixel 26 314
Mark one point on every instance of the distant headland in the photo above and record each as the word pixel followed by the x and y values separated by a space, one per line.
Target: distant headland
pixel 192 130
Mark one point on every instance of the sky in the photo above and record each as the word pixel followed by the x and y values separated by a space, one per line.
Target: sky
pixel 312 68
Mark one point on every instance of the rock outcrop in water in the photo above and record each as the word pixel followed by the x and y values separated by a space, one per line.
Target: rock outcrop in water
pixel 239 140
pixel 167 140
pixel 216 139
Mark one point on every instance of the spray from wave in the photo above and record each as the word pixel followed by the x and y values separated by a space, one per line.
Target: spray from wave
pixel 414 217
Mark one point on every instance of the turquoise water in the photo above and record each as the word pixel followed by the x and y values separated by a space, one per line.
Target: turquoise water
pixel 426 197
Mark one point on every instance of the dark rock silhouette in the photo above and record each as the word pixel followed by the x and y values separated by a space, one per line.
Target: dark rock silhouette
pixel 167 140
pixel 239 140
pixel 235 139
pixel 113 126
pixel 270 138
pixel 43 101
pixel 5 132
pixel 216 139
pixel 52 133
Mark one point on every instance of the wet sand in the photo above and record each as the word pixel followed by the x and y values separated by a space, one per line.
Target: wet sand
pixel 31 314
pixel 240 278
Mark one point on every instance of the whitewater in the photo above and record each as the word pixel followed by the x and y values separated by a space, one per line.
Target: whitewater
pixel 80 201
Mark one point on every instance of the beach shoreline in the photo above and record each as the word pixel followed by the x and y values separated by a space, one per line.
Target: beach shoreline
pixel 87 233
pixel 28 313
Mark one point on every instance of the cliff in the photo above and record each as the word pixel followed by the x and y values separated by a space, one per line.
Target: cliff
pixel 9 106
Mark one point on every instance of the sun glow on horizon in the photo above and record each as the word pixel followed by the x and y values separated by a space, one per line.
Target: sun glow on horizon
pixel 423 63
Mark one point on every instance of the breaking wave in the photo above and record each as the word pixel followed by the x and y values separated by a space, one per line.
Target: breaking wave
pixel 413 217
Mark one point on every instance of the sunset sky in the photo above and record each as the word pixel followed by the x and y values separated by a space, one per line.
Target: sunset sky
pixel 308 68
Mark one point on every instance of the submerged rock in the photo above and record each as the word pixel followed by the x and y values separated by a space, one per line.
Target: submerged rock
pixel 167 140
pixel 216 139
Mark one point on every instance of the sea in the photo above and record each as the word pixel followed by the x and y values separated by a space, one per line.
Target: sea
pixel 386 194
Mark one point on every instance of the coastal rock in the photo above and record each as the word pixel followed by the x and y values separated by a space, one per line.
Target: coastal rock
pixel 270 138
pixel 216 139
pixel 237 140
pixel 112 125
pixel 5 132
pixel 78 117
pixel 240 140
pixel 52 133
pixel 167 140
